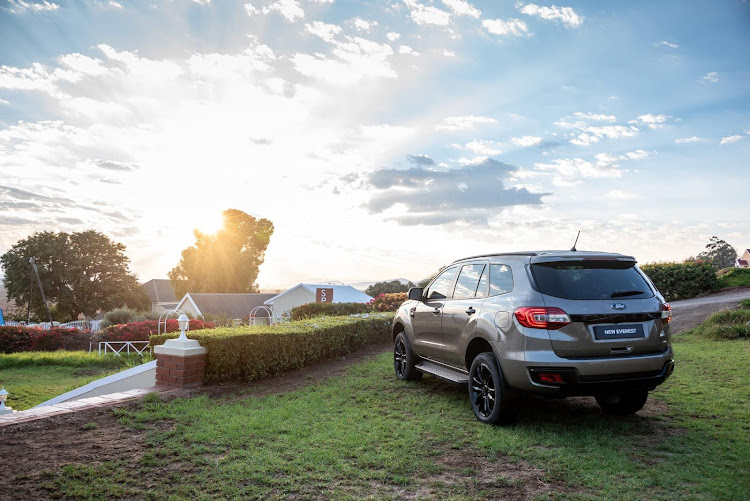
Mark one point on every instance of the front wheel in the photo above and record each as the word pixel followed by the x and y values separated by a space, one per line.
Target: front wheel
pixel 622 404
pixel 404 360
pixel 490 399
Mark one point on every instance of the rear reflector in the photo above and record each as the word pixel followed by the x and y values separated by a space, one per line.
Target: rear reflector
pixel 666 313
pixel 545 377
pixel 538 317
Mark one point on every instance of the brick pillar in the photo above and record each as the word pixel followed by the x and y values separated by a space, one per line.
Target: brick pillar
pixel 180 364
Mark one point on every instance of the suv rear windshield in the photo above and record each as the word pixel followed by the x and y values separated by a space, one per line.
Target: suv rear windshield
pixel 591 280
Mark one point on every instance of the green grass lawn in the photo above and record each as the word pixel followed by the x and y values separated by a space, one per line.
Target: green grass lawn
pixel 366 434
pixel 34 377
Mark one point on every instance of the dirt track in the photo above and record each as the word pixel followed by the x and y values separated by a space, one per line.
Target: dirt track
pixel 690 312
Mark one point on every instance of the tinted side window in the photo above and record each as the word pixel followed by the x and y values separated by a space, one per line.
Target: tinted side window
pixel 441 287
pixel 501 279
pixel 468 281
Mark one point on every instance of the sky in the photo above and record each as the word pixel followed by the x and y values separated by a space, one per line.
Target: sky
pixel 383 139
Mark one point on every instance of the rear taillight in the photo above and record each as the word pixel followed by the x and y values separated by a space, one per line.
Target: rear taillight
pixel 666 313
pixel 537 317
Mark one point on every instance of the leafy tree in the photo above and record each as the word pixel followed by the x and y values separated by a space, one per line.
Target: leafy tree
pixel 387 287
pixel 80 272
pixel 719 253
pixel 227 261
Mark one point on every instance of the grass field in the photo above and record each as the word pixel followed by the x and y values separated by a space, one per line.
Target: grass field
pixel 33 377
pixel 365 434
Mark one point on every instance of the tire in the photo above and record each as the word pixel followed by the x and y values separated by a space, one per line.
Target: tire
pixel 490 399
pixel 622 404
pixel 404 360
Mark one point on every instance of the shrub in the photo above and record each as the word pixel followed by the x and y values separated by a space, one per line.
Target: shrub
pixel 312 310
pixel 735 277
pixel 119 316
pixel 388 302
pixel 17 339
pixel 249 353
pixel 681 280
pixel 141 331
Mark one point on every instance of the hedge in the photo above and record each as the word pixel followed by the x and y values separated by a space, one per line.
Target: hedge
pixel 682 280
pixel 14 339
pixel 254 352
pixel 312 310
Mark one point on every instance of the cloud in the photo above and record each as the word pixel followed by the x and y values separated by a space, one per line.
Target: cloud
pixel 19 6
pixel 730 139
pixel 620 195
pixel 636 155
pixel 290 9
pixel 667 44
pixel 509 27
pixel 651 121
pixel 449 53
pixel 566 15
pixel 421 14
pixel 453 124
pixel 483 147
pixel 363 25
pixel 462 8
pixel 251 9
pixel 593 134
pixel 421 160
pixel 687 140
pixel 571 171
pixel 711 77
pixel 443 196
pixel 526 141
pixel 405 49
pixel 115 166
pixel 355 59
pixel 599 117
pixel 325 31
pixel 393 36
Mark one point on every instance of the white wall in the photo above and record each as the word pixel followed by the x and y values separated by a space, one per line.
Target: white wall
pixel 297 297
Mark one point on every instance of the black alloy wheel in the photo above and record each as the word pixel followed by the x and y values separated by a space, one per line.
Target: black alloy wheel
pixel 490 400
pixel 403 360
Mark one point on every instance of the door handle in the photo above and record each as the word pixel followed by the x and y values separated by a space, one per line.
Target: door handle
pixel 412 311
pixel 436 311
pixel 471 311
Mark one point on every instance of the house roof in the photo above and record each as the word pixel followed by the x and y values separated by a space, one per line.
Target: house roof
pixel 742 262
pixel 232 305
pixel 341 293
pixel 160 291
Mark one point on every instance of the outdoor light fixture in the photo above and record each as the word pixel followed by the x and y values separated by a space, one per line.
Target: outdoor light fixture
pixel 3 397
pixel 184 323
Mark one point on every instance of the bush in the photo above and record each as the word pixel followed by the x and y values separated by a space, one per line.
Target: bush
pixel 388 302
pixel 734 277
pixel 727 324
pixel 312 310
pixel 249 353
pixel 141 331
pixel 15 339
pixel 682 280
pixel 119 316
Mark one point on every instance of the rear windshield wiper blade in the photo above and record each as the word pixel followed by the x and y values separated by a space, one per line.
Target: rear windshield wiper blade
pixel 626 293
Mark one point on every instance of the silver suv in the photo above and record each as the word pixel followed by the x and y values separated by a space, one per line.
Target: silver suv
pixel 553 323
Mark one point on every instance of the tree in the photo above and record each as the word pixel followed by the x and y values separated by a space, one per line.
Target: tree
pixel 227 261
pixel 388 287
pixel 80 273
pixel 719 253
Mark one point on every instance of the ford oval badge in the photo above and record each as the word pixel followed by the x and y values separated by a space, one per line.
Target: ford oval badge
pixel 619 306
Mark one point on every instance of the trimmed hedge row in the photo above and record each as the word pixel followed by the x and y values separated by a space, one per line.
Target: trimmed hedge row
pixel 311 310
pixel 250 353
pixel 681 280
pixel 14 339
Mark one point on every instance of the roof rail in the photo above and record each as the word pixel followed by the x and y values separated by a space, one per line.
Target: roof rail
pixel 497 254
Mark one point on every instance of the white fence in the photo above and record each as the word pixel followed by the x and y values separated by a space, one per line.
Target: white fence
pixel 111 346
pixel 92 325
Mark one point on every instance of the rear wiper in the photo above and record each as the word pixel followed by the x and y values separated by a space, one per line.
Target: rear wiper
pixel 626 293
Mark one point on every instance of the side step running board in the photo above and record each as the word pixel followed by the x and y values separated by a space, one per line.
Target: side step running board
pixel 451 375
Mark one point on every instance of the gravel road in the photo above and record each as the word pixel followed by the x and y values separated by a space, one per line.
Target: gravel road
pixel 688 313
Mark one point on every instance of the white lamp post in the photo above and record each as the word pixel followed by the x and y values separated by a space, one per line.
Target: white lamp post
pixel 3 397
pixel 184 322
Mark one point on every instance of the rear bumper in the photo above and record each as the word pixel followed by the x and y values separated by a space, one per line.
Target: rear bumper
pixel 573 383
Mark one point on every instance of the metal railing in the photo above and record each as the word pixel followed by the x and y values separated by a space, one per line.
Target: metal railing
pixel 109 346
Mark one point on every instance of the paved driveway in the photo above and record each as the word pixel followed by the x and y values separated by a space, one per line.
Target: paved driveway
pixel 690 312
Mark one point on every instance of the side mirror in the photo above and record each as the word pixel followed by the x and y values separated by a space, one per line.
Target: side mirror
pixel 416 293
